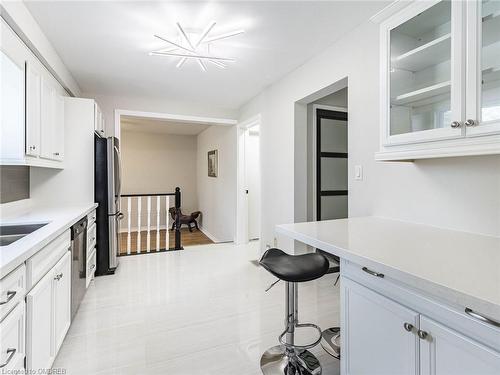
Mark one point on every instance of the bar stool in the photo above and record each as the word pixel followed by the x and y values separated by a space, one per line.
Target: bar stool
pixel 289 358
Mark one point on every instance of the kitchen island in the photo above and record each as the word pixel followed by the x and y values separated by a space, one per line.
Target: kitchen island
pixel 415 299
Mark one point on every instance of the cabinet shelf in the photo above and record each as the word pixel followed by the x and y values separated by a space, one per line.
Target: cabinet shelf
pixel 491 74
pixel 425 93
pixel 431 53
pixel 491 28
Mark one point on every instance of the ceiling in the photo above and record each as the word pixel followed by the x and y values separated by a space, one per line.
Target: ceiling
pixel 105 44
pixel 157 126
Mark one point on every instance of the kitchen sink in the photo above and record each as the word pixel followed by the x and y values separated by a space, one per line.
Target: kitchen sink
pixel 12 233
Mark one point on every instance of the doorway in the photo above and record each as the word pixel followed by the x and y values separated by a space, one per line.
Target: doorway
pixel 248 205
pixel 252 178
pixel 331 164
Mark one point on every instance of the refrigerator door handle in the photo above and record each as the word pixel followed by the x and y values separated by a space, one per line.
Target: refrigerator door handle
pixel 119 172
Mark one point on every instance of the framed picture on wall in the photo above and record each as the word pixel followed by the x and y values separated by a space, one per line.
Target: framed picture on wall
pixel 213 163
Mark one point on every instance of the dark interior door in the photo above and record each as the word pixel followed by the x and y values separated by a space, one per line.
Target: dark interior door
pixel 331 165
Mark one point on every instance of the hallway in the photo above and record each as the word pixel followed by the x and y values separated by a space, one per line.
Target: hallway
pixel 202 311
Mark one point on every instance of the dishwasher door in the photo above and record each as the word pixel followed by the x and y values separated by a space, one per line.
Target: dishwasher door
pixel 78 264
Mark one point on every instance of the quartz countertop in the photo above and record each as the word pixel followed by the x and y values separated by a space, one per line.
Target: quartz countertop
pixel 59 219
pixel 459 267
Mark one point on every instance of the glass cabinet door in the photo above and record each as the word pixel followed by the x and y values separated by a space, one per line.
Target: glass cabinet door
pixel 483 90
pixel 424 74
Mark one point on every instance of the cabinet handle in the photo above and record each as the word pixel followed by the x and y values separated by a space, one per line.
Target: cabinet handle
pixel 470 123
pixel 10 295
pixel 10 352
pixel 373 273
pixel 456 124
pixel 408 327
pixel 481 317
pixel 422 334
pixel 58 277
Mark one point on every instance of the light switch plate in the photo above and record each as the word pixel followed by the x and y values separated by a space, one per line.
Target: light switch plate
pixel 358 172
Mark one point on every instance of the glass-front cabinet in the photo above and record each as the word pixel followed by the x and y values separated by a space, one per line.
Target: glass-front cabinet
pixel 483 85
pixel 440 80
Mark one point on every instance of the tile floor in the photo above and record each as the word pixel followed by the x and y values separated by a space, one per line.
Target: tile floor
pixel 201 311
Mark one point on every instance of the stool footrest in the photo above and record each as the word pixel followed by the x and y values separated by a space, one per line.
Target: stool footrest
pixel 301 347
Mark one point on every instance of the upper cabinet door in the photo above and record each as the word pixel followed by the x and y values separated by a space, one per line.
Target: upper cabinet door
pixel 483 68
pixel 47 124
pixel 423 73
pixel 58 130
pixel 33 113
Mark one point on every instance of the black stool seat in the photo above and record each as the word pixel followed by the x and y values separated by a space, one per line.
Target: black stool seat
pixel 294 268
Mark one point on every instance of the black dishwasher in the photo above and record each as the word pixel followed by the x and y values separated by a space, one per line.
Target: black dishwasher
pixel 78 264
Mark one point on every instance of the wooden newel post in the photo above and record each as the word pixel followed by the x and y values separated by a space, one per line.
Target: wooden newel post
pixel 177 219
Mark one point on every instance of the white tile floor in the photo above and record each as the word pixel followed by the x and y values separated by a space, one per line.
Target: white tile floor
pixel 201 311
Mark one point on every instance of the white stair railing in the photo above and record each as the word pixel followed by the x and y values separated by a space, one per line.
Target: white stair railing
pixel 156 222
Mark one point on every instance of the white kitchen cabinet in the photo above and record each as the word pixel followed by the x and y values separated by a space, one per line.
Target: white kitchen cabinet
pixel 11 102
pixel 52 122
pixel 47 125
pixel 445 351
pixel 362 350
pixel 48 315
pixel 12 341
pixel 32 126
pixel 440 80
pixel 58 130
pixel 388 328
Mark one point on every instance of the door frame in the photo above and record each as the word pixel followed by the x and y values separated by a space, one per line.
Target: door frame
pixel 241 233
pixel 314 158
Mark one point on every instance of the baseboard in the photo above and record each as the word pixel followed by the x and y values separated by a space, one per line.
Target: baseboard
pixel 209 235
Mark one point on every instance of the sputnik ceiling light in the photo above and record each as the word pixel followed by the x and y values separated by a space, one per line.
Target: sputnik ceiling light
pixel 195 46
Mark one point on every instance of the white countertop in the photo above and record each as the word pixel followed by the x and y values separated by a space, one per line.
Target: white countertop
pixel 461 268
pixel 59 219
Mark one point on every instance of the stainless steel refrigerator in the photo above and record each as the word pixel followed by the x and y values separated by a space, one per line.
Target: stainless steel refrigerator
pixel 107 194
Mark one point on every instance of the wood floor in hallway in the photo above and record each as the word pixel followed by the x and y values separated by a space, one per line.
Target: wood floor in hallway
pixel 202 311
pixel 196 237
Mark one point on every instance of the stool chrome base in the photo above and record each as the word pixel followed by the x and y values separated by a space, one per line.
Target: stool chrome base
pixel 330 341
pixel 278 361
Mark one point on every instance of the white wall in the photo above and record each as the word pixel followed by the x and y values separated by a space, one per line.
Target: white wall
pixel 158 163
pixel 109 104
pixel 458 193
pixel 217 195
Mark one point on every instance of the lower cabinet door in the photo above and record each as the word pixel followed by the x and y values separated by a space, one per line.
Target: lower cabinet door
pixel 374 338
pixel 39 325
pixel 62 299
pixel 446 352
